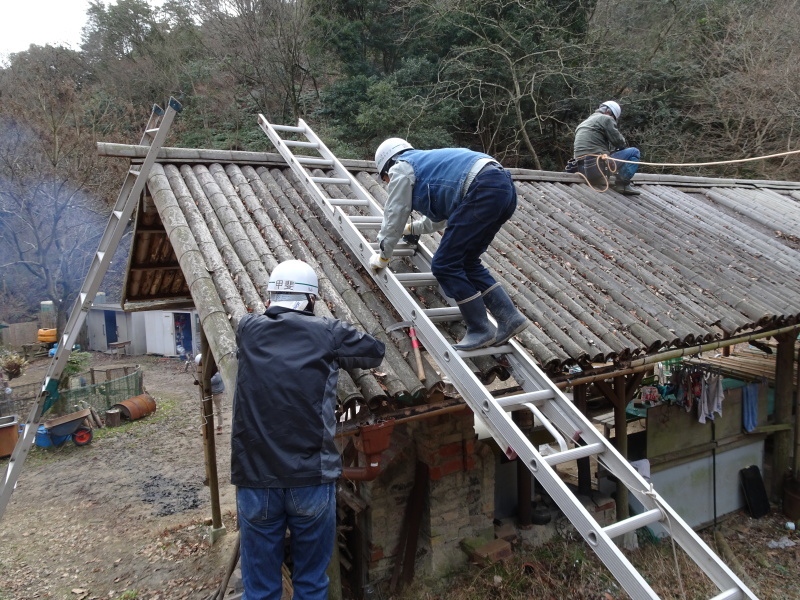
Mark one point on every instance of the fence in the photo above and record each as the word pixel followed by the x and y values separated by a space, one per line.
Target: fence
pixel 100 389
pixel 18 334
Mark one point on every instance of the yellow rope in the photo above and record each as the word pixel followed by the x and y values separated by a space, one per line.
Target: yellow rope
pixel 701 164
pixel 612 167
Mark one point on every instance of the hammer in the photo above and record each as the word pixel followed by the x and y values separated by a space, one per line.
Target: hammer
pixel 412 333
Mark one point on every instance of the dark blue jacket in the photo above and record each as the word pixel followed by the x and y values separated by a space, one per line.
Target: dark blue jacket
pixel 284 407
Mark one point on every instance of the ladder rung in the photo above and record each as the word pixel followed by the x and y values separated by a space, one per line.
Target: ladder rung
pixel 731 594
pixel 151 131
pixel 538 397
pixel 491 350
pixel 292 128
pixel 310 160
pixel 633 523
pixel 331 180
pixel 415 279
pixel 574 454
pixel 134 172
pixel 301 144
pixel 370 219
pixel 441 315
pixel 348 202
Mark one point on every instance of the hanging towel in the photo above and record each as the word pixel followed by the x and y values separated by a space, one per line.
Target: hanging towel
pixel 716 393
pixel 643 467
pixel 750 406
pixel 704 403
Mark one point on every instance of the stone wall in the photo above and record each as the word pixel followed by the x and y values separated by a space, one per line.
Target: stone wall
pixel 457 501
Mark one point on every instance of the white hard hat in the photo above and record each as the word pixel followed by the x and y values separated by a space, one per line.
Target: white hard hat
pixel 290 282
pixel 198 358
pixel 387 150
pixel 613 107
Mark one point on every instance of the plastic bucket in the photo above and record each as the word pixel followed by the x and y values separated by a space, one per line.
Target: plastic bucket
pixel 45 440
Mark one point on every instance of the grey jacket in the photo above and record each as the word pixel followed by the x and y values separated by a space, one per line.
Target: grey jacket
pixel 598 135
pixel 284 406
pixel 217 385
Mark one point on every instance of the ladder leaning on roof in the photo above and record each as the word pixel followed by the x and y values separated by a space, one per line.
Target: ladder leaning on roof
pixel 576 436
pixel 155 134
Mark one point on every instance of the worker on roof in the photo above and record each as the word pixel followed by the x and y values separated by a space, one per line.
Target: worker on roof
pixel 598 135
pixel 470 196
pixel 284 460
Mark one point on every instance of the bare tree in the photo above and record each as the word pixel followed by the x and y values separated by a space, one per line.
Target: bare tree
pixel 267 44
pixel 50 183
pixel 747 98
pixel 514 63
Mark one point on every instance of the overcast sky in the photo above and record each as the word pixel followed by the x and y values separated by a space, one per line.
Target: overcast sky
pixel 26 22
pixel 41 22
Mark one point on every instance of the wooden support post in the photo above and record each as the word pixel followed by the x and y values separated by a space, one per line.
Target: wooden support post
pixel 204 372
pixel 584 464
pixel 784 382
pixel 796 466
pixel 621 426
pixel 524 481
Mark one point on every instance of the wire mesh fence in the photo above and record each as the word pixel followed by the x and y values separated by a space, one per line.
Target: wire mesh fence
pixel 96 388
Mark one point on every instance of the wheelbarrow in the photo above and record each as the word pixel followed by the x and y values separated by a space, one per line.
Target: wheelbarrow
pixel 73 426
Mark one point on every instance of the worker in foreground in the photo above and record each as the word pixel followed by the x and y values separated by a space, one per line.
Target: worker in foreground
pixel 470 196
pixel 284 461
pixel 599 135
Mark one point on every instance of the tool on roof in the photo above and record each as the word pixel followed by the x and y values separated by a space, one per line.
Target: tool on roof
pixel 414 344
pixel 539 395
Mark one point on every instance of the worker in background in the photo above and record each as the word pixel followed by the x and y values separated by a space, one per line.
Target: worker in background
pixel 470 196
pixel 599 135
pixel 284 461
pixel 217 392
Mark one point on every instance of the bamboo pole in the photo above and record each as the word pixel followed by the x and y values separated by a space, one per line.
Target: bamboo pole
pixel 213 317
pixel 662 356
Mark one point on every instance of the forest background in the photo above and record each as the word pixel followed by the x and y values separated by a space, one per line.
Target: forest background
pixel 698 80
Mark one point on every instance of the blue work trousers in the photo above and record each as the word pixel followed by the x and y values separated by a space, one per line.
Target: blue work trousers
pixel 626 171
pixel 471 227
pixel 264 514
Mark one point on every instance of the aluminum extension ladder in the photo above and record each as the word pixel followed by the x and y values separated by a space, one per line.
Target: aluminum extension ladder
pixel 576 436
pixel 155 134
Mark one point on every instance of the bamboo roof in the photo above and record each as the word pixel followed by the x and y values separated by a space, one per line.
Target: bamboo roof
pixel 602 277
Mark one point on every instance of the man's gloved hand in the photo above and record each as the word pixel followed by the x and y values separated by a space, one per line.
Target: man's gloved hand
pixel 377 262
pixel 409 237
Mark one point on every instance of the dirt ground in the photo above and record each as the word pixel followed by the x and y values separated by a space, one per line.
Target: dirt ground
pixel 123 517
pixel 126 518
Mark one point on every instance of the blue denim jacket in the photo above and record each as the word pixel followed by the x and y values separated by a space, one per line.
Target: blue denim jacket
pixel 440 176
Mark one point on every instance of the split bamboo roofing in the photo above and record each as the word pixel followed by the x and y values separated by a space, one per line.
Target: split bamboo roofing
pixel 602 277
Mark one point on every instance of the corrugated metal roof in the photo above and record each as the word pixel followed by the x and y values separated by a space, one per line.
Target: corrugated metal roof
pixel 601 276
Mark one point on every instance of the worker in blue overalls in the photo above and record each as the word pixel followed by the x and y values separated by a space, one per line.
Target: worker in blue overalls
pixel 470 196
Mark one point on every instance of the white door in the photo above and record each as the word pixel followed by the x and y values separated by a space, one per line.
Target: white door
pixel 160 333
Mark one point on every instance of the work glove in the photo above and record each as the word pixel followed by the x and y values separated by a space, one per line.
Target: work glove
pixel 377 262
pixel 409 237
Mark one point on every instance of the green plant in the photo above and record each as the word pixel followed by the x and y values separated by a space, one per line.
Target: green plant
pixel 129 595
pixel 76 363
pixel 13 364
